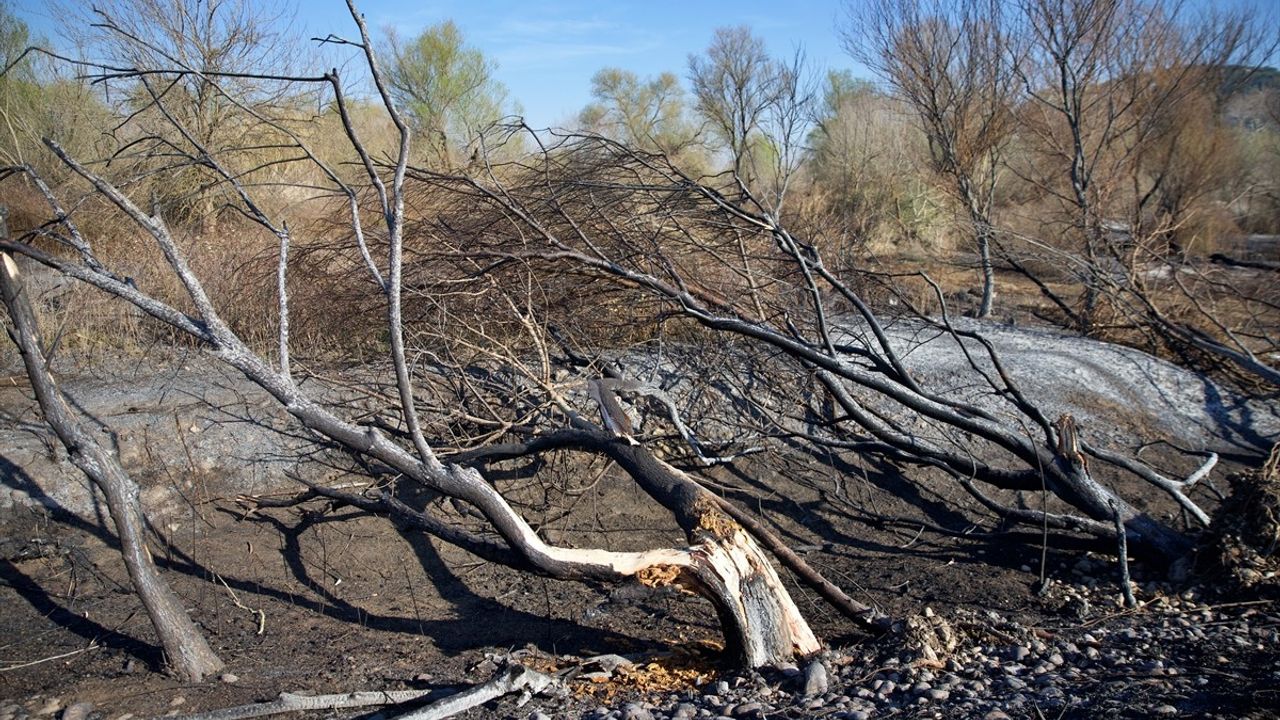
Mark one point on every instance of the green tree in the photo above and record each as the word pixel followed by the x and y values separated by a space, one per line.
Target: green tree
pixel 734 84
pixel 867 160
pixel 446 87
pixel 647 114
pixel 18 91
pixel 14 38
pixel 36 103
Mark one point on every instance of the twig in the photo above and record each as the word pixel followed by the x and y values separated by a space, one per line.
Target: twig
pixel 91 646
pixel 261 615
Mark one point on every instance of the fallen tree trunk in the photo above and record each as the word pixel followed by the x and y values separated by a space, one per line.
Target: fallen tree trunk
pixel 724 564
pixel 516 678
pixel 761 623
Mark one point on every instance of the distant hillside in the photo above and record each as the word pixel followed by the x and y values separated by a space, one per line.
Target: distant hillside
pixel 1252 97
pixel 1242 80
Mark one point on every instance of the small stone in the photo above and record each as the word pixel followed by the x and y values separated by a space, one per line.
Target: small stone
pixel 77 711
pixel 996 715
pixel 1020 653
pixel 229 678
pixel 179 700
pixel 635 711
pixel 749 710
pixel 938 694
pixel 857 715
pixel 921 688
pixel 539 715
pixel 609 663
pixel 1166 710
pixel 815 679
pixel 722 687
pixel 50 707
pixel 684 711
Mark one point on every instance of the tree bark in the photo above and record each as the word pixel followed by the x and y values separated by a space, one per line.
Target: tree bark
pixel 988 272
pixel 760 622
pixel 186 650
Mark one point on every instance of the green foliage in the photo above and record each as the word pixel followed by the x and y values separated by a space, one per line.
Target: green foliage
pixel 648 114
pixel 446 87
pixel 35 103
pixel 14 39
pixel 870 163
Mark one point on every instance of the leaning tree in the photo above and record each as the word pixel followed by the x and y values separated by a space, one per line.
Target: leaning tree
pixel 723 562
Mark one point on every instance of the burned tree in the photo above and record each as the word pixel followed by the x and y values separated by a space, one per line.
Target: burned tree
pixel 722 563
pixel 1103 82
pixel 660 242
pixel 953 64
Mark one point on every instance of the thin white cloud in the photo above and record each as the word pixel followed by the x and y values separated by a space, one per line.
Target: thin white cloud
pixel 540 28
pixel 550 53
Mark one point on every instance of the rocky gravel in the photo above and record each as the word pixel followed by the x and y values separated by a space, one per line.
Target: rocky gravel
pixel 1177 655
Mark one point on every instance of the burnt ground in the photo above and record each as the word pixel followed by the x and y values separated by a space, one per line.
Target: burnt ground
pixel 328 600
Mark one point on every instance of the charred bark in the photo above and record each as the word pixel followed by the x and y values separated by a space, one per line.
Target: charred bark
pixel 186 650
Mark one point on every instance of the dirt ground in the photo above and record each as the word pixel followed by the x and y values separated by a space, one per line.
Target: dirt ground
pixel 325 600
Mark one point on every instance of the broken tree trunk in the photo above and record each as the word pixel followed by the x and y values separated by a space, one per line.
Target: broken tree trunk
pixel 724 564
pixel 186 650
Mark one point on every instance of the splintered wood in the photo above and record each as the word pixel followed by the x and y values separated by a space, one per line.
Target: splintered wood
pixel 659 575
pixel 663 676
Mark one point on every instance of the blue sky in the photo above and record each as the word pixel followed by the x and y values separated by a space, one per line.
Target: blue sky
pixel 548 51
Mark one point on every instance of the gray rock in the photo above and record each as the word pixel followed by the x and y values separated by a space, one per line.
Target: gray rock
pixel 816 681
pixel 229 678
pixel 77 711
pixel 938 694
pixel 635 711
pixel 608 663
pixel 722 687
pixel 684 711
